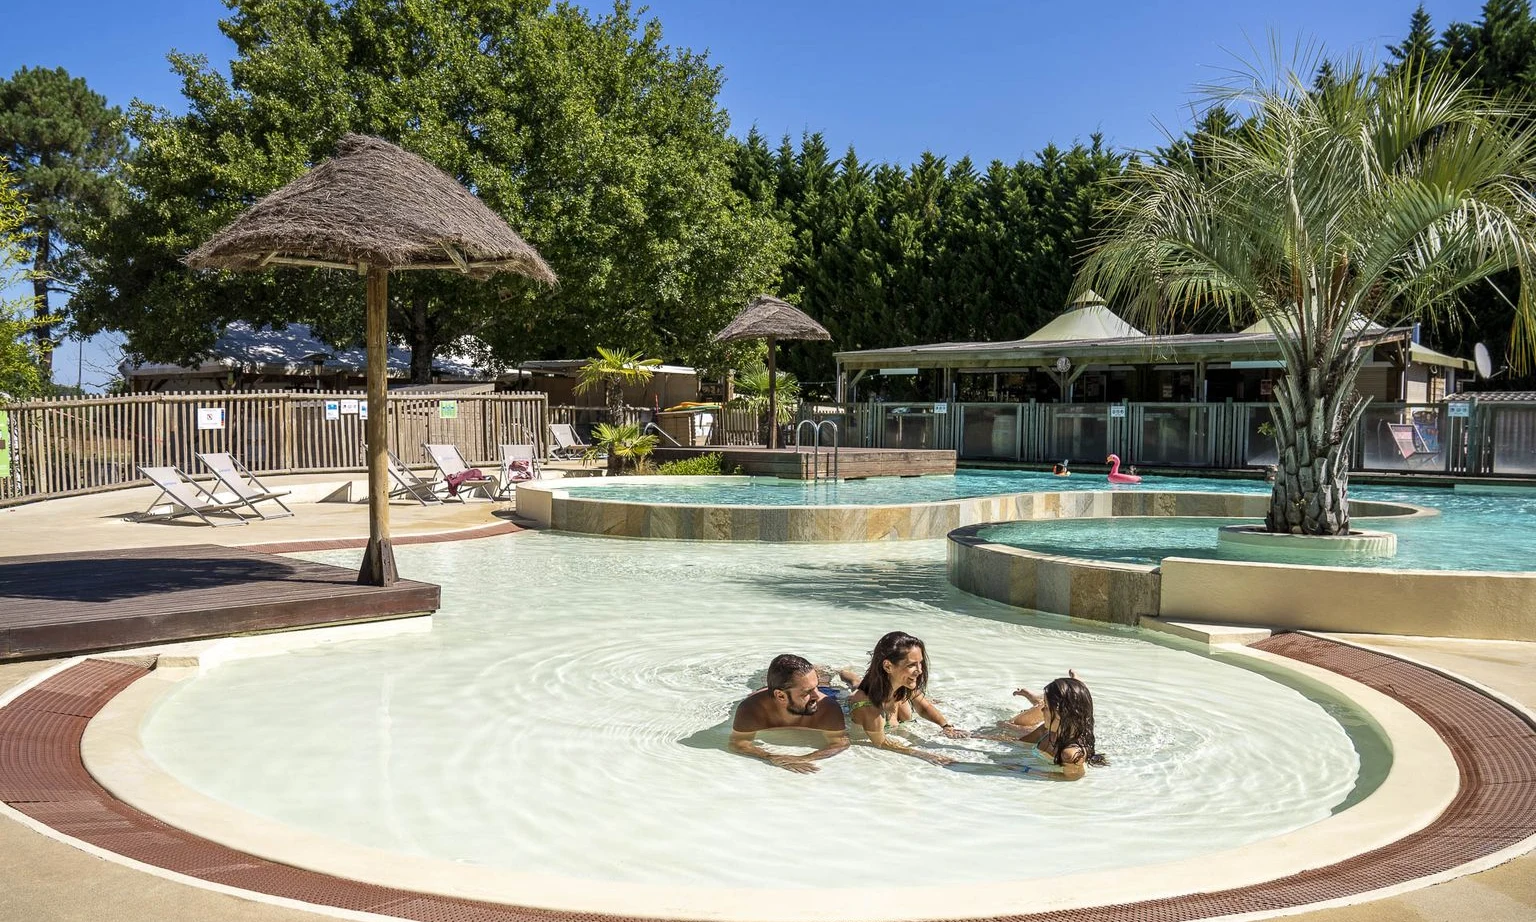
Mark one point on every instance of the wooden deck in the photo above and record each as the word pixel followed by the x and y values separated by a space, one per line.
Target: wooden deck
pixel 797 463
pixel 54 604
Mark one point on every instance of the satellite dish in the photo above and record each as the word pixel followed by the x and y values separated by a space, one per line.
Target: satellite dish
pixel 1481 359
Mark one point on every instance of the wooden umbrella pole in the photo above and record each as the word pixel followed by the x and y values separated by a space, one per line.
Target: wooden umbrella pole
pixel 773 396
pixel 379 559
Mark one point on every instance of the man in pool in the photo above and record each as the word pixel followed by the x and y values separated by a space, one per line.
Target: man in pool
pixel 791 700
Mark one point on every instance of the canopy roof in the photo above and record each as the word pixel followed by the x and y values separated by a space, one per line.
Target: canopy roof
pixel 768 316
pixel 373 204
pixel 1086 318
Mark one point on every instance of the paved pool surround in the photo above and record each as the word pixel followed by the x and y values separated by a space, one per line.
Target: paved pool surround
pixel 550 505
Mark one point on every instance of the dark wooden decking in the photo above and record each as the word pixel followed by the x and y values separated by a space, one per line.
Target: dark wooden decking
pixel 54 604
pixel 798 463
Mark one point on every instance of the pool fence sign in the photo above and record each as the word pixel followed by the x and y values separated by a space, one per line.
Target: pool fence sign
pixel 332 410
pixel 940 409
pixel 1117 411
pixel 447 409
pixel 210 417
pixel 349 408
pixel 362 409
pixel 1459 409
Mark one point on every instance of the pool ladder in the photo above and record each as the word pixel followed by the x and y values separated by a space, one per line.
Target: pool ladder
pixel 819 470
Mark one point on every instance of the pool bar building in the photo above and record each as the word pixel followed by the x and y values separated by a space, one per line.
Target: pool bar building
pixel 1088 383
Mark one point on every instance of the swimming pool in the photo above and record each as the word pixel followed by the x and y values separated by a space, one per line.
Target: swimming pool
pixel 567 716
pixel 1485 531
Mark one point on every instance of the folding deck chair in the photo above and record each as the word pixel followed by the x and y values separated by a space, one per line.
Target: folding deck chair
pixel 238 479
pixel 187 497
pixel 452 464
pixel 406 483
pixel 518 463
pixel 1405 438
pixel 565 443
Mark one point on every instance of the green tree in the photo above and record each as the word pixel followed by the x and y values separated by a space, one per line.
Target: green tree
pixel 611 370
pixel 1381 199
pixel 61 142
pixel 22 373
pixel 603 146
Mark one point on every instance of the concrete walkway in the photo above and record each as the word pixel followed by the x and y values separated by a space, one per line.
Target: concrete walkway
pixel 95 522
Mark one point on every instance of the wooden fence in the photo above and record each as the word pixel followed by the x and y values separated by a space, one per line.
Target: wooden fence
pixel 68 446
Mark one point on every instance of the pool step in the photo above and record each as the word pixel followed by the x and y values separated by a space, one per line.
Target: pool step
pixel 1213 634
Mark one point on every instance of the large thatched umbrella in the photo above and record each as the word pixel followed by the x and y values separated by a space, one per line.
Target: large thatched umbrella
pixel 771 319
pixel 373 209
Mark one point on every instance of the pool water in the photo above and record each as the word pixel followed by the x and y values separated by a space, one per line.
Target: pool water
pixel 1493 531
pixel 569 711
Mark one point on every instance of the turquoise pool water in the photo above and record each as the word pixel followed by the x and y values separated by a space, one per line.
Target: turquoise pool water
pixel 1493 531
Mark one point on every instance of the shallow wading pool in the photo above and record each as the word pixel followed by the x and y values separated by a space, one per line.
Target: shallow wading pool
pixel 568 713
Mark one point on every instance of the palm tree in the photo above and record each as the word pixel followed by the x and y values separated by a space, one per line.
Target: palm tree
pixel 611 370
pixel 625 447
pixel 1371 199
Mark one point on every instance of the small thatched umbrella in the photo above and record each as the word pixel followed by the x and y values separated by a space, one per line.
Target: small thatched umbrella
pixel 373 209
pixel 771 319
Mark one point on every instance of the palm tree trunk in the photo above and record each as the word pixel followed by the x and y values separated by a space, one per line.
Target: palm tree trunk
pixel 615 394
pixel 1313 432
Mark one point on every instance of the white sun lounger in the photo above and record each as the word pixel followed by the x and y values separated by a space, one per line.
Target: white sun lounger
pixel 565 443
pixel 406 483
pixel 510 475
pixel 450 463
pixel 238 479
pixel 186 497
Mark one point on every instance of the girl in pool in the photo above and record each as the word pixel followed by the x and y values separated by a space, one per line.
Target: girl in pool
pixel 1060 724
pixel 892 691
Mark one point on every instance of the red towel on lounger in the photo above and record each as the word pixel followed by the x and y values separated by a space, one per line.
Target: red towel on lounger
pixel 458 480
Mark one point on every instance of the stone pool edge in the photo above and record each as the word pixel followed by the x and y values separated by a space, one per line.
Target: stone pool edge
pixel 1421 782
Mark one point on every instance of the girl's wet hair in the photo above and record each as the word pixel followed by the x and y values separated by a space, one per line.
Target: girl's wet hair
pixel 892 648
pixel 1070 701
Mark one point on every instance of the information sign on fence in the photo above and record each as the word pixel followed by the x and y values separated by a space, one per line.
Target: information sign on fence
pixel 1460 409
pixel 940 409
pixel 362 409
pixel 447 409
pixel 210 417
pixel 1117 411
pixel 349 408
pixel 333 409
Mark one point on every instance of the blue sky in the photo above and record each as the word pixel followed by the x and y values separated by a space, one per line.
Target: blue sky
pixel 984 78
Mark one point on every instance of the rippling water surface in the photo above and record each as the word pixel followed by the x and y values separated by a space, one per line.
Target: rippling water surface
pixel 568 713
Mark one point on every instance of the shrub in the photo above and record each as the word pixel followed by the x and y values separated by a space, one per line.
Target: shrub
pixel 702 465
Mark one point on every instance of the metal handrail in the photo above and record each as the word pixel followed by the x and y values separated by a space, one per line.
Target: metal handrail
pixel 817 472
pixel 661 432
pixel 833 424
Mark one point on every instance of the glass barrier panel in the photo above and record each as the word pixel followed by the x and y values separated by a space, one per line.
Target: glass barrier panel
pixel 1079 431
pixel 990 432
pixel 1514 439
pixel 909 427
pixel 1395 437
pixel 1175 434
pixel 1259 445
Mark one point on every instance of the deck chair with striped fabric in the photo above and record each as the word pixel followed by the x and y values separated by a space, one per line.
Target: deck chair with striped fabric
pixel 518 463
pixel 407 484
pixel 454 469
pixel 185 496
pixel 238 479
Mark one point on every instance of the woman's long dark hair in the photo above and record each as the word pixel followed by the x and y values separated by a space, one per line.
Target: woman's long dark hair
pixel 1069 700
pixel 892 648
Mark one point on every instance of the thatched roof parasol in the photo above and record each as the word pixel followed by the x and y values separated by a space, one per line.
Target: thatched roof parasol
pixel 377 209
pixel 375 205
pixel 771 319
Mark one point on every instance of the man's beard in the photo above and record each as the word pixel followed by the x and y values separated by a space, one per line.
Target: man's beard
pixel 808 710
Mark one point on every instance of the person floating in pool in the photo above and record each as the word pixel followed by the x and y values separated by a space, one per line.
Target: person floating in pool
pixel 892 690
pixel 1060 469
pixel 1060 724
pixel 790 700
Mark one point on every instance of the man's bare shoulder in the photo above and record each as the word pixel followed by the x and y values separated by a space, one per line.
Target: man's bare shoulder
pixel 829 716
pixel 751 713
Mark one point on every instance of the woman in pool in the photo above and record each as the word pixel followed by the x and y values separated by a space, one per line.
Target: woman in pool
pixel 1060 724
pixel 892 691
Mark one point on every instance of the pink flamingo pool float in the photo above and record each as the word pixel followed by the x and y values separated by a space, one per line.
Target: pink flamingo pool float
pixel 1114 472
